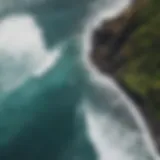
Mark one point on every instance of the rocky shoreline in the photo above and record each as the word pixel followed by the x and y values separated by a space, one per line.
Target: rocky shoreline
pixel 146 110
pixel 109 55
pixel 109 39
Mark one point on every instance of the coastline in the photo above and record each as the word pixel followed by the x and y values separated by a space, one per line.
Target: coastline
pixel 109 56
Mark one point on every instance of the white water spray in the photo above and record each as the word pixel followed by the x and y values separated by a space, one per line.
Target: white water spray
pixel 23 53
pixel 110 137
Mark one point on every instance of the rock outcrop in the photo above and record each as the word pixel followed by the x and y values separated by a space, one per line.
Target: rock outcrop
pixel 109 39
pixel 110 54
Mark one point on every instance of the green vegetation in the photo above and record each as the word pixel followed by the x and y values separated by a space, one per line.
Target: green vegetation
pixel 142 70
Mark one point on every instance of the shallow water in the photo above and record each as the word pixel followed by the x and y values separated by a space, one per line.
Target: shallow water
pixel 53 102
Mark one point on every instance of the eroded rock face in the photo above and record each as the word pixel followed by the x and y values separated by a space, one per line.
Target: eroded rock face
pixel 108 40
pixel 109 55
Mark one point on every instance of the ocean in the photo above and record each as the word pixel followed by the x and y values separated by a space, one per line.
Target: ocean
pixel 54 103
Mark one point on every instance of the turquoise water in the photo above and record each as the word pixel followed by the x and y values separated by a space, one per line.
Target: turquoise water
pixel 38 119
pixel 49 107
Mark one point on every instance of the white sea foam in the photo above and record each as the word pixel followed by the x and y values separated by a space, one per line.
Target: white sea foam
pixel 23 53
pixel 104 130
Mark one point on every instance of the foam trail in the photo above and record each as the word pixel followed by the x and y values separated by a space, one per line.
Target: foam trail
pixel 105 137
pixel 96 122
pixel 23 53
pixel 52 59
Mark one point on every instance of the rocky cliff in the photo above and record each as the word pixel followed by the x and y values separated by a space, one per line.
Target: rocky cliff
pixel 128 48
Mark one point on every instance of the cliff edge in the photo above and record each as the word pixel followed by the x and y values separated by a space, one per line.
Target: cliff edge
pixel 128 49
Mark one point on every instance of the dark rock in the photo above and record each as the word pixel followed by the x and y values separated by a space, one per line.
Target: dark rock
pixel 107 54
pixel 109 39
